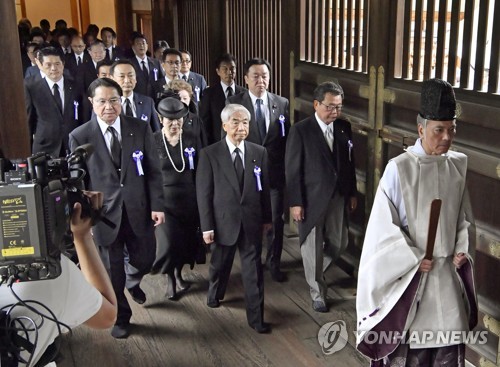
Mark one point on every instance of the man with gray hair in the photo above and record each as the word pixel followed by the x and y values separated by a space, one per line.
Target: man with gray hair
pixel 321 184
pixel 405 286
pixel 232 188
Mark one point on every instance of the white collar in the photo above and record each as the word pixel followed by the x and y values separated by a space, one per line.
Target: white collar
pixel 130 98
pixel 141 60
pixel 225 86
pixel 104 126
pixel 254 99
pixel 232 147
pixel 60 84
pixel 322 124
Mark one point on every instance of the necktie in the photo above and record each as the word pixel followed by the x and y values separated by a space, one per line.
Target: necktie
pixel 229 92
pixel 329 136
pixel 184 77
pixel 57 97
pixel 108 56
pixel 145 69
pixel 261 120
pixel 128 108
pixel 238 167
pixel 115 147
pixel 78 60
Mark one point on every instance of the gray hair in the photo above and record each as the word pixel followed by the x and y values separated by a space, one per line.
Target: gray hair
pixel 423 121
pixel 230 109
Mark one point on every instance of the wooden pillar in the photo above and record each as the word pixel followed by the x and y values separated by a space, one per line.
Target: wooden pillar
pixel 165 21
pixel 124 22
pixel 14 135
pixel 217 38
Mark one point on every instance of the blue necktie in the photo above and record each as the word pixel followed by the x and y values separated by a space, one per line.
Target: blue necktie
pixel 261 120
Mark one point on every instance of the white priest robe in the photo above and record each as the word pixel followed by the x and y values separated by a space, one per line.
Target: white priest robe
pixel 395 244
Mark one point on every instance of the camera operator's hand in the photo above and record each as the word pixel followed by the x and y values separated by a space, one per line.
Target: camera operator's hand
pixel 81 226
pixel 91 264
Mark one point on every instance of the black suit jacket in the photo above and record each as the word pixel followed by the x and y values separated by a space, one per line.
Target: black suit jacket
pixel 145 85
pixel 49 127
pixel 139 194
pixel 221 205
pixel 275 142
pixel 86 73
pixel 70 63
pixel 117 53
pixel 312 173
pixel 145 110
pixel 212 103
pixel 198 83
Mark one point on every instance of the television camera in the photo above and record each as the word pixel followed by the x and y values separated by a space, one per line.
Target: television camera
pixel 36 202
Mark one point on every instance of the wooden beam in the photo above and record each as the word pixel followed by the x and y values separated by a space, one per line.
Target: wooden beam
pixel 123 19
pixel 75 19
pixel 14 136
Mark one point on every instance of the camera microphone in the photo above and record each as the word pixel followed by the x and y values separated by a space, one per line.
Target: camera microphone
pixel 81 153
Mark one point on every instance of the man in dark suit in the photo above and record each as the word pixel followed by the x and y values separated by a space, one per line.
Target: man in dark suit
pixel 269 127
pixel 214 97
pixel 87 71
pixel 232 191
pixel 112 51
pixel 124 166
pixel 53 104
pixel 77 57
pixel 321 186
pixel 171 63
pixel 134 104
pixel 147 69
pixel 196 80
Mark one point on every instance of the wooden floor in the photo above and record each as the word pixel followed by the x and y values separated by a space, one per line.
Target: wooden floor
pixel 188 333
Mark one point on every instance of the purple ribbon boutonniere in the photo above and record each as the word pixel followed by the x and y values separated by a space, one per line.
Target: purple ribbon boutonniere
pixel 155 70
pixel 144 117
pixel 350 145
pixel 197 91
pixel 76 104
pixel 137 156
pixel 190 153
pixel 257 172
pixel 282 123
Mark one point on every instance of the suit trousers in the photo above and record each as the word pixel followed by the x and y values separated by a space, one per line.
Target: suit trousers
pixel 140 253
pixel 275 236
pixel 221 263
pixel 324 245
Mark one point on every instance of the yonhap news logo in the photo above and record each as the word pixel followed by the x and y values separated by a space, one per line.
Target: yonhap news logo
pixel 332 336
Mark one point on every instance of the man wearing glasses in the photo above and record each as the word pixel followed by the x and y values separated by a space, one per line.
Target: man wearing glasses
pixel 171 64
pixel 196 80
pixel 321 186
pixel 124 166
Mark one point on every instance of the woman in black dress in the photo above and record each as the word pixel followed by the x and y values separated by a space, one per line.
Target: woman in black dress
pixel 177 239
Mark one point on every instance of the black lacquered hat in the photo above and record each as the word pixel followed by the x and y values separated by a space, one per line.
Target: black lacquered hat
pixel 437 100
pixel 172 108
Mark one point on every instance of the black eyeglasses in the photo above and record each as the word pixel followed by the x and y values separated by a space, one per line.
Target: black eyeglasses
pixel 332 107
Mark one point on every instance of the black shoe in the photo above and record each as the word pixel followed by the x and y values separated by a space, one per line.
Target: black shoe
pixel 181 283
pixel 213 303
pixel 263 328
pixel 137 294
pixel 120 331
pixel 171 291
pixel 278 276
pixel 319 306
